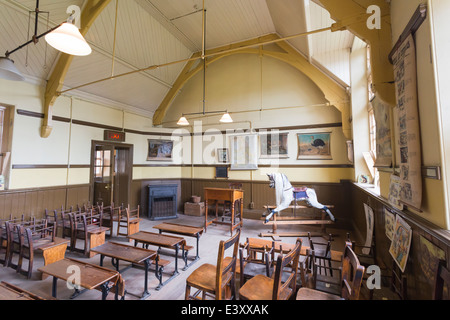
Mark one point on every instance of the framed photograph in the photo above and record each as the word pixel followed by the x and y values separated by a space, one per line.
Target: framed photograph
pixel 159 150
pixel 222 155
pixel 274 145
pixel 314 146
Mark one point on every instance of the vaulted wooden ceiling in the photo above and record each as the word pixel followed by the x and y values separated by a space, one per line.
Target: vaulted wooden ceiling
pixel 157 32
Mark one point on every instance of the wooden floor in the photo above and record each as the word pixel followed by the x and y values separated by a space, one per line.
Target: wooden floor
pixel 134 278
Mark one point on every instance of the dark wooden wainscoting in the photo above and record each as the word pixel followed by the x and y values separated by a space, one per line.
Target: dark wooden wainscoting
pixel 419 274
pixel 33 202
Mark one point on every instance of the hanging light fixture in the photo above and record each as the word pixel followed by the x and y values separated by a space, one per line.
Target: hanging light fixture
pixel 183 121
pixel 68 39
pixel 9 71
pixel 226 118
pixel 65 37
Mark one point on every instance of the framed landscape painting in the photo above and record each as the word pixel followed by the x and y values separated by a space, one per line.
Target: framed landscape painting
pixel 314 146
pixel 159 150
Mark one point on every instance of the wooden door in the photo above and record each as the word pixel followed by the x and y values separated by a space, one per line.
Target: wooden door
pixel 111 172
pixel 103 170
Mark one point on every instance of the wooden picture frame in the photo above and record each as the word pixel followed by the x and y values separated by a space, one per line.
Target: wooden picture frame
pixel 159 150
pixel 223 155
pixel 314 146
pixel 274 145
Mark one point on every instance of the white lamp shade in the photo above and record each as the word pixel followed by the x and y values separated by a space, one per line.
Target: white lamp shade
pixel 9 71
pixel 183 122
pixel 68 39
pixel 226 118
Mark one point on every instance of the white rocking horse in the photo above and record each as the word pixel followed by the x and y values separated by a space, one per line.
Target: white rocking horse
pixel 286 193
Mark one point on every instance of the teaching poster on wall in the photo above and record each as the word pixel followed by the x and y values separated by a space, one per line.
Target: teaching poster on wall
pixel 244 152
pixel 382 113
pixel 401 243
pixel 405 67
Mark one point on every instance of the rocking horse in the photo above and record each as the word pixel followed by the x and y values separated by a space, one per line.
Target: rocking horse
pixel 286 193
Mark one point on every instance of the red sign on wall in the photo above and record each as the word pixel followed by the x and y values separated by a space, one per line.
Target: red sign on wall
pixel 114 136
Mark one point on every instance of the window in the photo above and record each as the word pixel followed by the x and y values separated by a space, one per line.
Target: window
pixel 102 164
pixel 6 114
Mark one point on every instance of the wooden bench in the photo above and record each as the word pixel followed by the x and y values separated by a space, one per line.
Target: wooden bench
pixel 88 227
pixel 39 237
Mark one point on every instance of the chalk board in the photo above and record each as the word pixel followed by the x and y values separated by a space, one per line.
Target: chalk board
pixel 222 172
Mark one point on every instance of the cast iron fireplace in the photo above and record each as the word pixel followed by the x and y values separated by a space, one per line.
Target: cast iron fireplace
pixel 162 202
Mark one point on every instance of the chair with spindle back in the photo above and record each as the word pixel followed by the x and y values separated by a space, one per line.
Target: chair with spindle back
pixel 442 280
pixel 237 204
pixel 216 280
pixel 282 285
pixel 352 273
pixel 254 258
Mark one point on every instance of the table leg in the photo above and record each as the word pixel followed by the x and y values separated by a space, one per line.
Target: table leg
pixel 105 290
pixel 54 286
pixel 146 293
pixel 206 214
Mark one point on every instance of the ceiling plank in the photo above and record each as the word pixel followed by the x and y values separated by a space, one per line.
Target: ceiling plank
pixel 56 80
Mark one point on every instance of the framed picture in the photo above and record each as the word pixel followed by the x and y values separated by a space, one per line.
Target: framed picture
pixel 222 155
pixel 274 145
pixel 314 146
pixel 159 150
pixel 244 152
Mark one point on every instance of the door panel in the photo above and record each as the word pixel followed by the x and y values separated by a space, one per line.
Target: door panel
pixel 103 174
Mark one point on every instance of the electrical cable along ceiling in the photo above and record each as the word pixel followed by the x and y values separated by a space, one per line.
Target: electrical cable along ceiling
pixel 151 41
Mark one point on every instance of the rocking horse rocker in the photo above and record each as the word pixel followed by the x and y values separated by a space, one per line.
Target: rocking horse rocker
pixel 286 193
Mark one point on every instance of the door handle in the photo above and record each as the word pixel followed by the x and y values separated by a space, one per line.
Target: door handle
pixel 107 187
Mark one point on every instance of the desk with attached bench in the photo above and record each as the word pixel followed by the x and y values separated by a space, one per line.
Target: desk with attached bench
pixel 118 251
pixel 183 230
pixel 90 276
pixel 161 241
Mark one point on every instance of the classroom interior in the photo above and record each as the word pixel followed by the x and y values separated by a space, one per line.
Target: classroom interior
pixel 311 130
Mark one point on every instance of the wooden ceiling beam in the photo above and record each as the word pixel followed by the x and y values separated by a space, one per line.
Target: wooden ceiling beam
pixel 336 94
pixel 56 80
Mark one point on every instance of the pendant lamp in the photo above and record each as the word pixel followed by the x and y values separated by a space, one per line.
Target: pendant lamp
pixel 183 122
pixel 9 71
pixel 68 39
pixel 226 118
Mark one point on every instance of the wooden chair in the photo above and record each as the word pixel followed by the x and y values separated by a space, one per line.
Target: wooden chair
pixel 30 237
pixel 110 214
pixel 88 227
pixel 442 279
pixel 322 253
pixel 218 280
pixel 254 259
pixel 61 219
pixel 128 219
pixel 352 273
pixel 262 287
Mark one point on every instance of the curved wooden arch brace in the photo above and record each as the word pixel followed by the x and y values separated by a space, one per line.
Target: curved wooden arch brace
pixel 334 93
pixel 56 81
pixel 352 15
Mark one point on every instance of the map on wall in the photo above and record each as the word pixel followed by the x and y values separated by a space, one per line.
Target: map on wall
pixel 382 112
pixel 408 124
pixel 244 152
